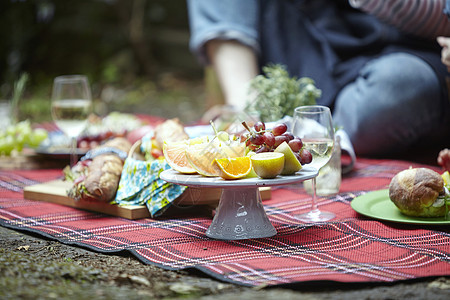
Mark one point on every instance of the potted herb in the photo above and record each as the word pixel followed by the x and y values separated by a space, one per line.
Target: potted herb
pixel 275 94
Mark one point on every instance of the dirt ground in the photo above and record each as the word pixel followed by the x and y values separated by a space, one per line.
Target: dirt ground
pixel 32 267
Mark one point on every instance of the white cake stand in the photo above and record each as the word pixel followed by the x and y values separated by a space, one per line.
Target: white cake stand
pixel 240 214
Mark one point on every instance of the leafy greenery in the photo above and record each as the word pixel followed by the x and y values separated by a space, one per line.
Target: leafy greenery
pixel 277 94
pixel 19 88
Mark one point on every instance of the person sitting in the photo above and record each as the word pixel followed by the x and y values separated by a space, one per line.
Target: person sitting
pixel 377 62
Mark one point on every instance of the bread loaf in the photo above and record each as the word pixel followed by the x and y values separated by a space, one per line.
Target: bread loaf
pixel 97 177
pixel 415 190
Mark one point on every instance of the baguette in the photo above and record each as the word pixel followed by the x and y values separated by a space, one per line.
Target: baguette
pixel 97 178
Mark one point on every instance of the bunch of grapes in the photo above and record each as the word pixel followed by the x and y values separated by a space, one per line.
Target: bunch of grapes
pixel 259 139
pixel 16 137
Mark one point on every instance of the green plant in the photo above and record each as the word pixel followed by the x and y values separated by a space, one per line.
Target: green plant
pixel 19 88
pixel 276 94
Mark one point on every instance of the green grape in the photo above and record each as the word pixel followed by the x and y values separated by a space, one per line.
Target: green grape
pixel 7 145
pixel 11 130
pixel 37 137
pixel 16 137
pixel 2 145
pixel 223 136
pixel 23 136
pixel 18 147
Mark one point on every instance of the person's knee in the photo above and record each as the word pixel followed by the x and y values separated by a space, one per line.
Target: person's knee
pixel 396 76
pixel 388 104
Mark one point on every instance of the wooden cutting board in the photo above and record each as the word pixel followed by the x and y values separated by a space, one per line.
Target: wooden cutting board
pixel 56 192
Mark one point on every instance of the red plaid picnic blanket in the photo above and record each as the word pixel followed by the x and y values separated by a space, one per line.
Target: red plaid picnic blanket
pixel 350 248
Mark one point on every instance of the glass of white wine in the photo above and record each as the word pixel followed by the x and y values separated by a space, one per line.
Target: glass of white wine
pixel 71 106
pixel 314 125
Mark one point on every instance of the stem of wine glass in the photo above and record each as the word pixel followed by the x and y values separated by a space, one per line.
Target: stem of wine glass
pixel 314 196
pixel 73 154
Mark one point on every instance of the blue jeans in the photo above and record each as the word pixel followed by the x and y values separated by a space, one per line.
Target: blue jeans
pixel 394 103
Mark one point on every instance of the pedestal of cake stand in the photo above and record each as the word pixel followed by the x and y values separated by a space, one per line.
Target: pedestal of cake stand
pixel 240 215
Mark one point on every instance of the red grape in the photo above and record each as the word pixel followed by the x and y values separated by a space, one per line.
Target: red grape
pixel 83 144
pixel 259 126
pixel 279 139
pixel 306 156
pixel 289 135
pixel 257 139
pixel 296 144
pixel 262 149
pixel 297 155
pixel 279 129
pixel 93 144
pixel 269 139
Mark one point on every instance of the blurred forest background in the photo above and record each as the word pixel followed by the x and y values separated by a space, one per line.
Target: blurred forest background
pixel 134 52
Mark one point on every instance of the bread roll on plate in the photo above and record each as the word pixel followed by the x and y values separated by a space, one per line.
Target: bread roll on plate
pixel 418 192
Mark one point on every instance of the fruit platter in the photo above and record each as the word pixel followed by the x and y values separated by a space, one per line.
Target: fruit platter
pixel 259 152
pixel 239 165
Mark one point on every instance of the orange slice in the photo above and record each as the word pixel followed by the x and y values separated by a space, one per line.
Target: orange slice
pixel 175 155
pixel 234 168
pixel 202 156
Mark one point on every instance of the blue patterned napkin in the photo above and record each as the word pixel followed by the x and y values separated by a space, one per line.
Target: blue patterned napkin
pixel 140 184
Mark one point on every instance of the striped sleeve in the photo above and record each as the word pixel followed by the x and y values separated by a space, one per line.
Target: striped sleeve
pixel 425 18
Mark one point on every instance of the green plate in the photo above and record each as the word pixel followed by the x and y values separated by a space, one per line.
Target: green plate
pixel 378 205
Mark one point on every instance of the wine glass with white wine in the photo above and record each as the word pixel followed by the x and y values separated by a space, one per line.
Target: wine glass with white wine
pixel 71 106
pixel 313 124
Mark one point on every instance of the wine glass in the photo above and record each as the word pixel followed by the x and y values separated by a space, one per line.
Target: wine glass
pixel 71 106
pixel 313 124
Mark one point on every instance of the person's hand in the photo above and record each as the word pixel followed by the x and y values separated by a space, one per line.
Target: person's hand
pixel 213 113
pixel 444 42
pixel 444 159
pixel 221 115
pixel 228 118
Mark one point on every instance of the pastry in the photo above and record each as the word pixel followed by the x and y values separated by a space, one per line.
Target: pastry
pixel 418 192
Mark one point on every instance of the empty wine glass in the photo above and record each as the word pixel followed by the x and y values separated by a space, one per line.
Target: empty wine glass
pixel 313 124
pixel 71 106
